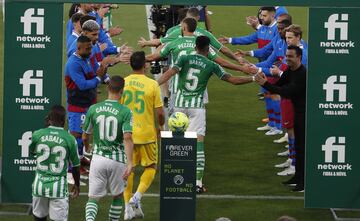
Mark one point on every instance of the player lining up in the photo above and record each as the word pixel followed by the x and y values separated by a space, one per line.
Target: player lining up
pixel 111 125
pixel 195 71
pixel 54 148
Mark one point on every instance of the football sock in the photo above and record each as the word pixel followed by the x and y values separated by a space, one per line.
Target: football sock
pixel 115 209
pixel 146 179
pixel 91 210
pixel 40 219
pixel 270 111
pixel 129 188
pixel 80 146
pixel 200 162
pixel 277 114
pixel 292 151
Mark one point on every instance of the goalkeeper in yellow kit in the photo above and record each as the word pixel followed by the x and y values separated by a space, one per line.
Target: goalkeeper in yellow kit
pixel 142 96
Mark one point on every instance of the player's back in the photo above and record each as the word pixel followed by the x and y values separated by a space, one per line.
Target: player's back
pixel 176 34
pixel 108 120
pixel 195 72
pixel 54 148
pixel 178 47
pixel 142 96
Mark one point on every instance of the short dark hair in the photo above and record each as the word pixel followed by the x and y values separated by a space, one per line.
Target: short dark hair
pixel 182 14
pixel 297 49
pixel 190 23
pixel 76 17
pixel 193 12
pixel 86 18
pixel 83 39
pixel 286 17
pixel 56 116
pixel 137 60
pixel 268 8
pixel 73 9
pixel 116 84
pixel 285 22
pixel 202 43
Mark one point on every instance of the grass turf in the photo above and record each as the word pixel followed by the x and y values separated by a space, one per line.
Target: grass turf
pixel 239 159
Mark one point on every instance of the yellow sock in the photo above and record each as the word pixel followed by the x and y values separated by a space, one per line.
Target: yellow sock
pixel 146 179
pixel 129 188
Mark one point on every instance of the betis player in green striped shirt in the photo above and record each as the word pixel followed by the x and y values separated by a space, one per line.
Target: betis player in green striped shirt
pixel 176 31
pixel 186 45
pixel 111 125
pixel 194 72
pixel 180 46
pixel 54 149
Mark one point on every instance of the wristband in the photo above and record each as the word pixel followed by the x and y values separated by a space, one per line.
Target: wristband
pixel 259 71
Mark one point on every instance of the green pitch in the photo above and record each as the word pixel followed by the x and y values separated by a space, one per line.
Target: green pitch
pixel 239 159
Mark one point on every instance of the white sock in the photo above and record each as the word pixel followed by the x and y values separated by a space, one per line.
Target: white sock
pixel 137 196
pixel 199 183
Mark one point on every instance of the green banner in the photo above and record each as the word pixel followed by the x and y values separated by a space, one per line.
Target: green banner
pixel 32 84
pixel 332 149
pixel 178 177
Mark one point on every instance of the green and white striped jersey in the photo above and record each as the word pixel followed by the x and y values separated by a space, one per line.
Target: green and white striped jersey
pixel 178 47
pixel 108 120
pixel 175 32
pixel 54 148
pixel 195 71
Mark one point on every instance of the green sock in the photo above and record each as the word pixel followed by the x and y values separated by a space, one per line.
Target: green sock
pixel 116 208
pixel 200 161
pixel 91 210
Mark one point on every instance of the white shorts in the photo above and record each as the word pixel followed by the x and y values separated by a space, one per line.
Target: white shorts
pixel 105 174
pixel 171 103
pixel 197 119
pixel 57 209
pixel 206 97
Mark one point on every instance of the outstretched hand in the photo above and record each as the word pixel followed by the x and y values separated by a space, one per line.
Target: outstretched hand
pixel 223 39
pixel 260 78
pixel 142 42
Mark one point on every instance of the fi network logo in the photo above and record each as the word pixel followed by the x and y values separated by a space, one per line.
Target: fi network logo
pixel 333 85
pixel 24 142
pixel 30 18
pixel 333 24
pixel 337 26
pixel 335 88
pixel 27 80
pixel 330 147
pixel 334 149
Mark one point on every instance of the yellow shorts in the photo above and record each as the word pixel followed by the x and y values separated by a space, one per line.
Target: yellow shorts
pixel 145 154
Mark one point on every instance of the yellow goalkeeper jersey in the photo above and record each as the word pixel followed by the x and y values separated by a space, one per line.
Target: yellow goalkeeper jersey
pixel 142 96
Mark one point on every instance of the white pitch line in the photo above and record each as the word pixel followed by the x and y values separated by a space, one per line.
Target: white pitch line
pixel 228 197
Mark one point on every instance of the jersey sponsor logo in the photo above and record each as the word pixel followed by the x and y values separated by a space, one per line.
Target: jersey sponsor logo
pixel 334 164
pixel 25 162
pixel 337 26
pixel 33 21
pixel 335 88
pixel 32 91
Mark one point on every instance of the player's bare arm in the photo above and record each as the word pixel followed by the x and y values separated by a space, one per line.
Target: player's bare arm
pixel 148 43
pixel 129 146
pixel 167 75
pixel 237 80
pixel 153 57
